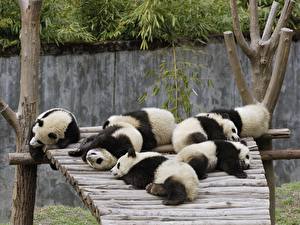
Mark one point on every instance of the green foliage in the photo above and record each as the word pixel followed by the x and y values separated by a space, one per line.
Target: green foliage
pixel 176 83
pixel 288 204
pixel 147 20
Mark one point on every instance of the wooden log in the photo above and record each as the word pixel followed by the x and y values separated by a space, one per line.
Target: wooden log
pixel 95 129
pixel 25 159
pixel 277 134
pixel 280 154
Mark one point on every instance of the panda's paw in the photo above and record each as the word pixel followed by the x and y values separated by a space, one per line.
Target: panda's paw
pixel 148 188
pixel 75 153
pixel 241 175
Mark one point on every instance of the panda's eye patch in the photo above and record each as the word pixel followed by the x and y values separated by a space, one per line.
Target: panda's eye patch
pixel 52 135
pixel 233 130
pixel 99 161
pixel 247 156
pixel 38 141
pixel 93 153
pixel 118 165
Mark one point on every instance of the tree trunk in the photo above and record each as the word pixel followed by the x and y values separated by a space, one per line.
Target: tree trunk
pixel 25 176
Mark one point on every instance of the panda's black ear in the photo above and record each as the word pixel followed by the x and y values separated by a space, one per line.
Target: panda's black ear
pixel 243 142
pixel 225 115
pixel 40 122
pixel 52 135
pixel 105 124
pixel 131 153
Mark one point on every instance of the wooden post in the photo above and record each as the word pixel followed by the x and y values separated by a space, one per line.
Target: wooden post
pixel 25 175
pixel 266 80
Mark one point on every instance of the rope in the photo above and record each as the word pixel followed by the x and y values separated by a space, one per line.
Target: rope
pixel 5 107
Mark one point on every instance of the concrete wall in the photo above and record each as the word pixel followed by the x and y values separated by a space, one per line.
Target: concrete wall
pixel 93 86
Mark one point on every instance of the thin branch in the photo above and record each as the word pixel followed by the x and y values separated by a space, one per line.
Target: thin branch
pixel 9 115
pixel 237 30
pixel 235 64
pixel 278 73
pixel 270 20
pixel 254 26
pixel 285 14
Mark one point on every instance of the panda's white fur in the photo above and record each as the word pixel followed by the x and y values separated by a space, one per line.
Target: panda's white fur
pixel 179 171
pixel 56 122
pixel 255 120
pixel 182 172
pixel 100 159
pixel 182 131
pixel 192 125
pixel 161 121
pixel 214 151
pixel 207 148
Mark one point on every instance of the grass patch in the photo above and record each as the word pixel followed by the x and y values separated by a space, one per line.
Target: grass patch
pixel 288 204
pixel 63 215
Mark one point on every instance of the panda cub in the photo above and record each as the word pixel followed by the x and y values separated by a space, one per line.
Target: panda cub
pixel 250 120
pixel 228 156
pixel 113 142
pixel 177 181
pixel 201 128
pixel 156 125
pixel 55 126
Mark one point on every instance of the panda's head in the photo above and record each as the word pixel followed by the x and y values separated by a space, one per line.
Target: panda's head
pixel 244 154
pixel 230 130
pixel 100 159
pixel 43 134
pixel 125 163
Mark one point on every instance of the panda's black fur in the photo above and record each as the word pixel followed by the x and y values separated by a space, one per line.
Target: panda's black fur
pixel 228 156
pixel 106 139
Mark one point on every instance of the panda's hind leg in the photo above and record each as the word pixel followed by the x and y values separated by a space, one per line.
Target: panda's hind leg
pixel 176 192
pixel 199 164
pixel 156 189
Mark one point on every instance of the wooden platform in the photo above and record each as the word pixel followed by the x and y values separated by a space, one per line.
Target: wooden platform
pixel 222 199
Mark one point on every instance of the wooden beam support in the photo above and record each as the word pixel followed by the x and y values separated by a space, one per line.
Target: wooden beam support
pixel 282 133
pixel 24 159
pixel 280 154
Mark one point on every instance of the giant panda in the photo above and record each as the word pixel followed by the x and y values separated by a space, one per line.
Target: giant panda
pixel 231 157
pixel 201 128
pixel 177 181
pixel 156 125
pixel 112 142
pixel 54 126
pixel 250 120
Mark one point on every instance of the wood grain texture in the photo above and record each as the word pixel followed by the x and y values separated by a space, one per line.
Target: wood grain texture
pixel 222 199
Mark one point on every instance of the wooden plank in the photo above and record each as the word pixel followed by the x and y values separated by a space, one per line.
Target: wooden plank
pixel 280 154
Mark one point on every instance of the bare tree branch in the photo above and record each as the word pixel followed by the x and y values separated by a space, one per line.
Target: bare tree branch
pixel 270 20
pixel 9 115
pixel 254 26
pixel 237 69
pixel 285 14
pixel 278 73
pixel 237 30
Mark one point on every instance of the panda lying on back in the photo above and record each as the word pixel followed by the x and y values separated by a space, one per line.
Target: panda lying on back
pixel 102 150
pixel 155 125
pixel 202 128
pixel 250 120
pixel 55 126
pixel 231 157
pixel 177 181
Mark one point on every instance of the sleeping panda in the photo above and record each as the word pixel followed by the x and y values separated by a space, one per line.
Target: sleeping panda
pixel 250 120
pixel 54 126
pixel 156 125
pixel 177 181
pixel 231 157
pixel 113 142
pixel 202 128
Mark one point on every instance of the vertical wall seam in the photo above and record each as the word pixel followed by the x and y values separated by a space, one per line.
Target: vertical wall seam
pixel 114 82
